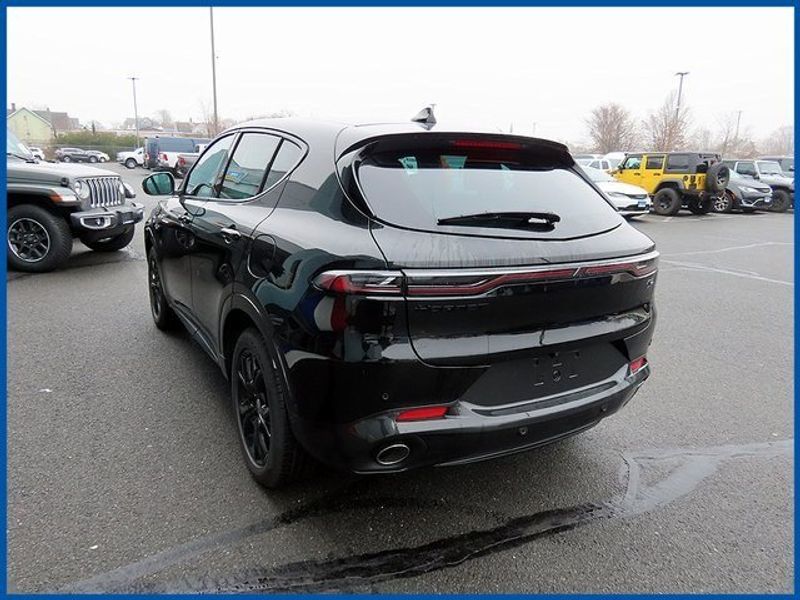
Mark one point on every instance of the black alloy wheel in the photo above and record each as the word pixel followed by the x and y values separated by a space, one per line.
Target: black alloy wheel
pixel 255 421
pixel 28 240
pixel 163 315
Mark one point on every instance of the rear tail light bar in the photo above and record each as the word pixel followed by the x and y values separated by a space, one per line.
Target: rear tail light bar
pixel 637 364
pixel 422 283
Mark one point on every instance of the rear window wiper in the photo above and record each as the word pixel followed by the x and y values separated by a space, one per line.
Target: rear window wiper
pixel 506 220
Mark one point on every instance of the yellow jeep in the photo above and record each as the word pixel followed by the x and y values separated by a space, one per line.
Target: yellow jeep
pixel 676 179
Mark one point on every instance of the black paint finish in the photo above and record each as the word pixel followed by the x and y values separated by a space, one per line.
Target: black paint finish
pixel 547 355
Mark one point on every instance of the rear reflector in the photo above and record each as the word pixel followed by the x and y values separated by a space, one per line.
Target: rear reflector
pixel 637 365
pixel 422 414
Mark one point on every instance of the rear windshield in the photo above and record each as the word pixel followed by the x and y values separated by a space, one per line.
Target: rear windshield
pixel 416 187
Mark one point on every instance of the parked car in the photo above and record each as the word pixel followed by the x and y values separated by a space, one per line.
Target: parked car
pixel 50 204
pixel 629 200
pixel 131 159
pixel 161 152
pixel 744 193
pixel 598 163
pixel 38 153
pixel 71 155
pixel 97 156
pixel 769 172
pixel 385 297
pixel 786 163
pixel 676 179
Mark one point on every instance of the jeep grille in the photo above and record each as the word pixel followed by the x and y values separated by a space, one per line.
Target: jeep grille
pixel 104 191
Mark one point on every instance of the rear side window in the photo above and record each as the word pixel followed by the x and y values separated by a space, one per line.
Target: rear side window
pixel 417 187
pixel 248 166
pixel 746 168
pixel 678 162
pixel 655 162
pixel 288 155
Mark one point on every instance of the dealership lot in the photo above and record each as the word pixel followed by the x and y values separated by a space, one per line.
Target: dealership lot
pixel 125 475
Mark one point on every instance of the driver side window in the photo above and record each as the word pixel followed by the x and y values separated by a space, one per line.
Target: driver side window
pixel 201 180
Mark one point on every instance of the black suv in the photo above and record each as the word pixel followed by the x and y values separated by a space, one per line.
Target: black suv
pixel 384 297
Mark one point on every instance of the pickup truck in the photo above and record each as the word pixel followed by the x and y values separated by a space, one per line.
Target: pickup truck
pixel 186 160
pixel 131 159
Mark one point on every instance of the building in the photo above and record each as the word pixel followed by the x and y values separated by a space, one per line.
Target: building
pixel 29 126
pixel 60 121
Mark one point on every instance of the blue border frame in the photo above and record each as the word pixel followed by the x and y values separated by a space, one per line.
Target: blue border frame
pixel 390 3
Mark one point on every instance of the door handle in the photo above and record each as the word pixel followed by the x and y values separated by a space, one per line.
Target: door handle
pixel 229 234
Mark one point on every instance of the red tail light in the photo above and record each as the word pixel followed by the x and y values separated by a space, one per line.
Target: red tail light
pixel 637 365
pixel 492 144
pixel 163 157
pixel 181 161
pixel 384 283
pixel 422 414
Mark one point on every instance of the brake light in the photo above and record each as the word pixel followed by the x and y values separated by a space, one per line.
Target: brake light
pixel 163 157
pixel 181 161
pixel 637 269
pixel 422 414
pixel 637 365
pixel 493 144
pixel 386 283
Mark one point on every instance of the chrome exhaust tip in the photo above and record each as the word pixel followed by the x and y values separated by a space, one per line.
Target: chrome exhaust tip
pixel 393 454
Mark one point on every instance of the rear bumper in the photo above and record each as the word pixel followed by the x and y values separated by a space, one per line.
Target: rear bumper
pixel 471 433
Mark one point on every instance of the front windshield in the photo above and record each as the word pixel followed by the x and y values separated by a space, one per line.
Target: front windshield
pixel 16 147
pixel 768 167
pixel 597 174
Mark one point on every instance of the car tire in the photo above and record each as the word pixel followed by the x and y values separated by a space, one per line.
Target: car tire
pixel 52 230
pixel 92 159
pixel 700 206
pixel 259 396
pixel 112 244
pixel 717 178
pixel 780 201
pixel 724 203
pixel 667 202
pixel 163 315
pixel 66 159
pixel 102 159
pixel 130 163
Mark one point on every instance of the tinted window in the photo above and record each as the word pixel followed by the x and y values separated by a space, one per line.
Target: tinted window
pixel 248 165
pixel 418 186
pixel 204 174
pixel 678 162
pixel 287 157
pixel 655 162
pixel 746 168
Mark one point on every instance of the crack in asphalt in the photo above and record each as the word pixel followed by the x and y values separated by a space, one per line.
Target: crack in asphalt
pixel 356 571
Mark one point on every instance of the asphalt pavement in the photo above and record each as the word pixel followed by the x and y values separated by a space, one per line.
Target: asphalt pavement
pixel 124 472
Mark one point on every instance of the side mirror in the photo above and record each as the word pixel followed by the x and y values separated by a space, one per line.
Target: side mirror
pixel 159 184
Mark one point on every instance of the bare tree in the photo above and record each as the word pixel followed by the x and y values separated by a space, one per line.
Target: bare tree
pixel 612 128
pixel 667 128
pixel 780 142
pixel 165 117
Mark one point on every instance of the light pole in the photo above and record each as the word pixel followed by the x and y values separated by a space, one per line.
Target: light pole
pixel 680 74
pixel 738 120
pixel 135 109
pixel 214 70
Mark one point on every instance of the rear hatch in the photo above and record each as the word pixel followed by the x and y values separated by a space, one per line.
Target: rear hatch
pixel 506 249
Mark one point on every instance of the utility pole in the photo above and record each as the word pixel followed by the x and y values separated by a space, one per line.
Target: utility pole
pixel 214 71
pixel 680 74
pixel 738 120
pixel 135 109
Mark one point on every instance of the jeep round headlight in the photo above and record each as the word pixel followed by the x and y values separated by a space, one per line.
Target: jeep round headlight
pixel 81 189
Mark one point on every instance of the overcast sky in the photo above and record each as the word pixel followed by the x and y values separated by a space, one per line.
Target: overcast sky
pixel 493 67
